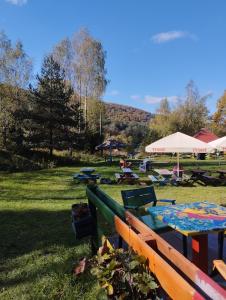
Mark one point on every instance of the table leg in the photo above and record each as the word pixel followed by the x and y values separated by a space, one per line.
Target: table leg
pixel 200 251
pixel 185 251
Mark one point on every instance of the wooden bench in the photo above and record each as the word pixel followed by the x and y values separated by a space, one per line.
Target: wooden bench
pixel 157 180
pixel 138 200
pixel 120 178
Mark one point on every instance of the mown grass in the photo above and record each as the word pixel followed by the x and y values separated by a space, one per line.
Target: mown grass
pixel 37 245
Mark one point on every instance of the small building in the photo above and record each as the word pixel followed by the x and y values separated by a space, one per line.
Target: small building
pixel 205 135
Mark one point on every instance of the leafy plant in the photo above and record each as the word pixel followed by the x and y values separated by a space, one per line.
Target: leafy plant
pixel 123 275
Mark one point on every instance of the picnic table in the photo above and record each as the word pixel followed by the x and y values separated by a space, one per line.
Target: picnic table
pixel 164 172
pixel 86 176
pixel 126 176
pixel 87 171
pixel 222 173
pixel 196 220
pixel 198 172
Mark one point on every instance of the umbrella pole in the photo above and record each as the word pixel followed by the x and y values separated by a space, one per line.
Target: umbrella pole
pixel 178 164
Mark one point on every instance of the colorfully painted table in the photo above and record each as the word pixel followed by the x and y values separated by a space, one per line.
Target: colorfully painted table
pixel 196 220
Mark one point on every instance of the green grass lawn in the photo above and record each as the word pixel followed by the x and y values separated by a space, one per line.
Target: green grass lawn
pixel 37 245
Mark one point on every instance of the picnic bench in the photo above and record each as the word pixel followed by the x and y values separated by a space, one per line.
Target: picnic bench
pixel 157 180
pixel 138 200
pixel 203 177
pixel 127 176
pixel 86 176
pixel 176 275
pixel 196 220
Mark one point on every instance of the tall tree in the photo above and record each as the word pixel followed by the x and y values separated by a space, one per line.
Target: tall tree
pixel 63 54
pixel 54 121
pixel 15 73
pixel 83 59
pixel 89 67
pixel 160 124
pixel 219 118
pixel 192 114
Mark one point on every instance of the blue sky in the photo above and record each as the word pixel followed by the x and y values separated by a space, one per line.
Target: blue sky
pixel 153 47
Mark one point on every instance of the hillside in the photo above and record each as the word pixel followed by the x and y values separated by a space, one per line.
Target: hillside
pixel 126 114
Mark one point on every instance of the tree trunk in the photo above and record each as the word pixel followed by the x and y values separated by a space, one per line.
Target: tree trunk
pixel 51 142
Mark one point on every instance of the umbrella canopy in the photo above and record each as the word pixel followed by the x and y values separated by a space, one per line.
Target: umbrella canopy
pixel 219 144
pixel 110 144
pixel 180 143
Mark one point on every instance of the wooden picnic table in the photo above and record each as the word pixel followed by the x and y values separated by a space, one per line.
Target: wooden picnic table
pixel 127 176
pixel 87 171
pixel 222 173
pixel 196 220
pixel 198 172
pixel 86 176
pixel 164 172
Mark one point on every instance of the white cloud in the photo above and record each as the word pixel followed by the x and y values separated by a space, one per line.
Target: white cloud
pixel 155 100
pixel 168 36
pixel 17 2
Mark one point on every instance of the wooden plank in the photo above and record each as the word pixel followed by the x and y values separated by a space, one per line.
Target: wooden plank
pixel 200 251
pixel 111 203
pixel 166 275
pixel 104 209
pixel 220 266
pixel 204 282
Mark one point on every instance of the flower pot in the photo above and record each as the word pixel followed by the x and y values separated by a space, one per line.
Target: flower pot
pixel 82 222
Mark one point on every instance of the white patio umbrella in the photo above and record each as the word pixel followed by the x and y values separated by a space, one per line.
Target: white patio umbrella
pixel 219 144
pixel 180 143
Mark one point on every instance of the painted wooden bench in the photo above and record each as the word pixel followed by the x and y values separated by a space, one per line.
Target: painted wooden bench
pixel 139 200
pixel 177 275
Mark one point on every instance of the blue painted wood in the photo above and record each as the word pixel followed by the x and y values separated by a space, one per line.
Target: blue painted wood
pixel 192 218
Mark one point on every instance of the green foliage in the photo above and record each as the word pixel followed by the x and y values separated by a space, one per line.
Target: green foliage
pixel 15 73
pixel 188 116
pixel 53 121
pixel 37 243
pixel 219 117
pixel 124 275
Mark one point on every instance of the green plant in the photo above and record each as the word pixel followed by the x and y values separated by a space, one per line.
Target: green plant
pixel 123 275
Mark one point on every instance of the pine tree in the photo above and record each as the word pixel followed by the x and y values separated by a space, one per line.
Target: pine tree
pixel 53 120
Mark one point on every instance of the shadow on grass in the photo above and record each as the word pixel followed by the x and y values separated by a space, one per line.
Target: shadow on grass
pixel 31 230
pixel 35 244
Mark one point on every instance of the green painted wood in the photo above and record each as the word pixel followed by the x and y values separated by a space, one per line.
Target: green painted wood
pixel 155 225
pixel 118 209
pixel 105 211
pixel 138 197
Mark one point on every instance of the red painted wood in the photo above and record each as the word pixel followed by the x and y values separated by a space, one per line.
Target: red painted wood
pixel 200 251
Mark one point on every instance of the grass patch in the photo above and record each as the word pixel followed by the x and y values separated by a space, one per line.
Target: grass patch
pixel 37 245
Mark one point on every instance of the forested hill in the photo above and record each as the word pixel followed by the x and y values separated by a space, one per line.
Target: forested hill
pixel 126 114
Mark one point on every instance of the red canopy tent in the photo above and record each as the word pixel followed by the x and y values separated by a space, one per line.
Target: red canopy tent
pixel 205 135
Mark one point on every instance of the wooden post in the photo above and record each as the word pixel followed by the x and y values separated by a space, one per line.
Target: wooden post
pixel 94 236
pixel 200 251
pixel 220 244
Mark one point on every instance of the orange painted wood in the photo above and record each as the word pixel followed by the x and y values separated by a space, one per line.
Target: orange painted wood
pixel 173 283
pixel 220 266
pixel 200 251
pixel 211 288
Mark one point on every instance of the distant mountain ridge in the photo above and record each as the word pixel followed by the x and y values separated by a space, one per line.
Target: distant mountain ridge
pixel 126 114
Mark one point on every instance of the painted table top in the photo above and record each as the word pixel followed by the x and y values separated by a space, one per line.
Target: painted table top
pixel 163 172
pixel 127 170
pixel 87 170
pixel 192 218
